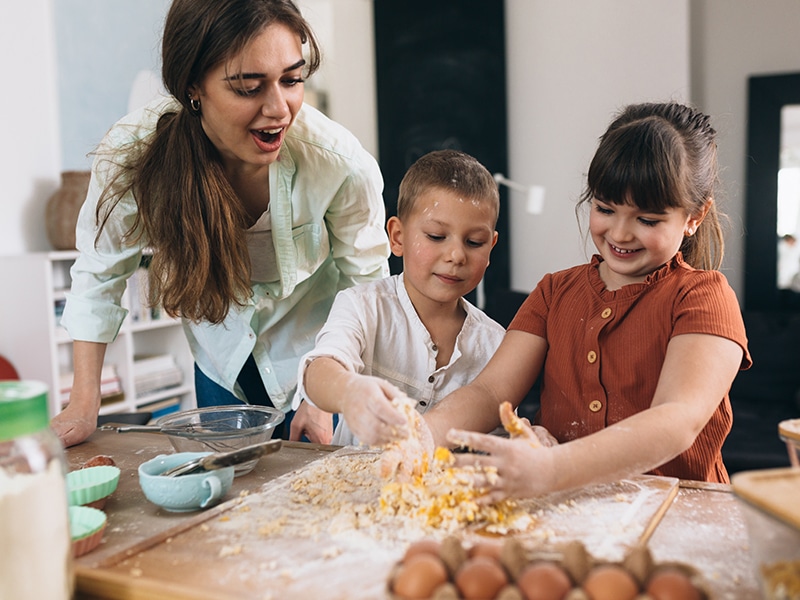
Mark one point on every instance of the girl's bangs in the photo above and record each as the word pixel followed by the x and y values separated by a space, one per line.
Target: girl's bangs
pixel 633 166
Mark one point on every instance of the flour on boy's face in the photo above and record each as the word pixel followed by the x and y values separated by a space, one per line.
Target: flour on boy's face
pixel 447 240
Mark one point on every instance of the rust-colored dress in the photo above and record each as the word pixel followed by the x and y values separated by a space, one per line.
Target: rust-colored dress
pixel 606 349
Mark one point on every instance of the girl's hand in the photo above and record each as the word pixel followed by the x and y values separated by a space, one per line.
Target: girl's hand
pixel 368 411
pixel 518 468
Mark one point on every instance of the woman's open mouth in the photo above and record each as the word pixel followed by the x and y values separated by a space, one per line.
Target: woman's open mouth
pixel 268 140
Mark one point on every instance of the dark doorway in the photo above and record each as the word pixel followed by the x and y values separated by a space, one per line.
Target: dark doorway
pixel 442 84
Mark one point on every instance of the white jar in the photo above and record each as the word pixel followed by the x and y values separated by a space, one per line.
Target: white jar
pixel 36 548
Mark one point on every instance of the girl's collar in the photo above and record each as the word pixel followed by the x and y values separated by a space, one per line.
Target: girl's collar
pixel 597 283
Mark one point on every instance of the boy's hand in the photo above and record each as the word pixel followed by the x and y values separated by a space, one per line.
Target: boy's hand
pixel 410 456
pixel 369 412
pixel 313 423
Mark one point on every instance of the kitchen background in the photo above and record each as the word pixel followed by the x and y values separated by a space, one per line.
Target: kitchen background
pixel 570 65
pixel 70 68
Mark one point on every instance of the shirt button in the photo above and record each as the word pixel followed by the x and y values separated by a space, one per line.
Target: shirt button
pixel 431 379
pixel 435 347
pixel 595 405
pixel 606 313
pixel 267 370
pixel 592 356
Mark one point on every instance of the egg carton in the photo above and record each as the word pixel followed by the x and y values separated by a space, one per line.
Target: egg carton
pixel 447 570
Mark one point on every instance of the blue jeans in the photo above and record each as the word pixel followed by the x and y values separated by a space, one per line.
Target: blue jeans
pixel 210 393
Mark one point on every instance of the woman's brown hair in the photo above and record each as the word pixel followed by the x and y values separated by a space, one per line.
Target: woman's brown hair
pixel 658 156
pixel 188 212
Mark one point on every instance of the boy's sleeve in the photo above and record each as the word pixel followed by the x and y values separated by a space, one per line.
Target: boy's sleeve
pixel 343 338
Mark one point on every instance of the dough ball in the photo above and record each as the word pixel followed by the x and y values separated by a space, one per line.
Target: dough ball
pixel 99 461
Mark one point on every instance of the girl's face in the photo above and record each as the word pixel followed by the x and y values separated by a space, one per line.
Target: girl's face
pixel 633 242
pixel 248 103
pixel 445 243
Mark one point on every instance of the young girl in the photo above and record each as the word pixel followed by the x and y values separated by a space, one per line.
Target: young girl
pixel 640 346
pixel 257 209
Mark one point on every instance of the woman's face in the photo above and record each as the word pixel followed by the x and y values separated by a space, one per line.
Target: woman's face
pixel 248 103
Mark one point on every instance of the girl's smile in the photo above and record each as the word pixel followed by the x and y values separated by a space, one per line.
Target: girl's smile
pixel 634 242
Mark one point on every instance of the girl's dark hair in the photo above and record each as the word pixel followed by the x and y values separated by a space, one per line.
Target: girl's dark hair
pixel 658 156
pixel 187 210
pixel 450 170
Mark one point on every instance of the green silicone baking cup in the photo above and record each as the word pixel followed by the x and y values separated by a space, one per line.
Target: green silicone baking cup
pixel 91 484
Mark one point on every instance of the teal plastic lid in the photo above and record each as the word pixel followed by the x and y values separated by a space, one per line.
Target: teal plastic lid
pixel 23 408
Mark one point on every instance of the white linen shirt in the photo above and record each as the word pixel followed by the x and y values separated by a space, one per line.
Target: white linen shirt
pixel 373 329
pixel 327 223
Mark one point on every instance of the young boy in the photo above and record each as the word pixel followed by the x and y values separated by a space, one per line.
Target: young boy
pixel 412 334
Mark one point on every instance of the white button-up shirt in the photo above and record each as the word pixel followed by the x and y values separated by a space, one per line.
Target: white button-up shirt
pixel 373 329
pixel 327 230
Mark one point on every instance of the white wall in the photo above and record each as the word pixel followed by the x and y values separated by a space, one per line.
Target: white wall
pixel 347 76
pixel 731 40
pixel 571 65
pixel 30 161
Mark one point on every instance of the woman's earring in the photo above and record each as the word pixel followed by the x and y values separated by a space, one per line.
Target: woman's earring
pixel 195 104
pixel 690 232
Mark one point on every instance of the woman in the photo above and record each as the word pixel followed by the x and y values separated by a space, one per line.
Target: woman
pixel 257 208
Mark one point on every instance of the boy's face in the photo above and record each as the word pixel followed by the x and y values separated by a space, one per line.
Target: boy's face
pixel 445 244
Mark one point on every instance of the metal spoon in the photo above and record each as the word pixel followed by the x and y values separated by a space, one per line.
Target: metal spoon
pixel 219 460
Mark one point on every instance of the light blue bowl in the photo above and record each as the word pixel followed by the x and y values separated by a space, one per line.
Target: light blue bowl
pixel 186 492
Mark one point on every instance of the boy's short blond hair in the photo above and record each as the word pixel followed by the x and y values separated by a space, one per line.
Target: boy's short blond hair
pixel 450 170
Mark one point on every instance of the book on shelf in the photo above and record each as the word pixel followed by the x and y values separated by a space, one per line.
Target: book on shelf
pixel 152 373
pixel 110 385
pixel 139 293
pixel 160 408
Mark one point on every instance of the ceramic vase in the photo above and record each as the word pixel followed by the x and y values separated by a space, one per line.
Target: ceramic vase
pixel 63 207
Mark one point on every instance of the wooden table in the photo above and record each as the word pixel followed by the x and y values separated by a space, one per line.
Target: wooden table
pixel 702 527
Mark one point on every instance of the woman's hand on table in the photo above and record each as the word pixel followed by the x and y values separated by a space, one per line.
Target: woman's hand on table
pixel 76 422
pixel 313 423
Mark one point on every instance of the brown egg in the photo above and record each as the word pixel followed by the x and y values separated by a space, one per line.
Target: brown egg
pixel 422 547
pixel 489 549
pixel 417 577
pixel 480 578
pixel 671 583
pixel 610 582
pixel 544 581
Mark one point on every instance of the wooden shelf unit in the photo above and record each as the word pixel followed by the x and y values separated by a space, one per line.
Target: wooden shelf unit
pixel 40 349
